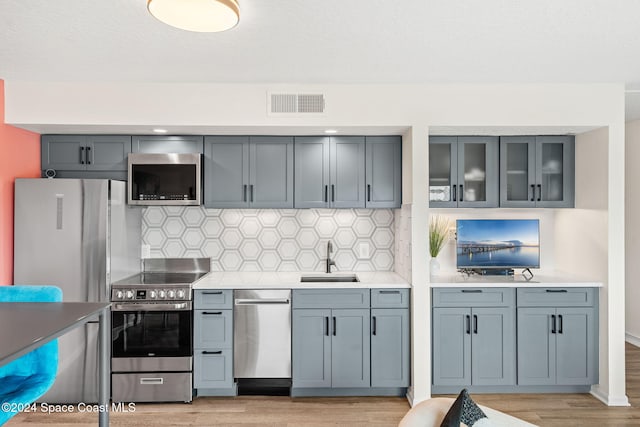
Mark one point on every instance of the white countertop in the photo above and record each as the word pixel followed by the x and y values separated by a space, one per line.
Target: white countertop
pixel 286 280
pixel 559 280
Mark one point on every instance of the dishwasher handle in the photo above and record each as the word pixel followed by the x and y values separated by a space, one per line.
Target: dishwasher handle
pixel 261 301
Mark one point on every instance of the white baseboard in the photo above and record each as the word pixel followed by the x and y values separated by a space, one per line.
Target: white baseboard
pixel 410 395
pixel 632 339
pixel 609 400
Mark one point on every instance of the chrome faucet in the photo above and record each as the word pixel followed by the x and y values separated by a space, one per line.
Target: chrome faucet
pixel 330 262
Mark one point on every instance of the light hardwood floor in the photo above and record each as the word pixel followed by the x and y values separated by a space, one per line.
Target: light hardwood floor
pixel 541 409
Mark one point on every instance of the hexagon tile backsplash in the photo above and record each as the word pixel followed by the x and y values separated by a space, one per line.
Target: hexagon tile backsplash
pixel 272 239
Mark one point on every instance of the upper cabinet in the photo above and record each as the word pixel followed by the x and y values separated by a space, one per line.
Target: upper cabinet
pixel 463 171
pixel 383 171
pixel 248 172
pixel 167 144
pixel 537 171
pixel 330 172
pixel 80 153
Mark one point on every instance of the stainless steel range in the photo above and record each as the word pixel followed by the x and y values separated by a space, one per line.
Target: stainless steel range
pixel 151 330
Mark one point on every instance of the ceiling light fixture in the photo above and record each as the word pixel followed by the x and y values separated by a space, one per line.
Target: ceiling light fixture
pixel 203 16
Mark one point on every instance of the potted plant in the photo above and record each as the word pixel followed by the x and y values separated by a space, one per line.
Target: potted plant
pixel 438 234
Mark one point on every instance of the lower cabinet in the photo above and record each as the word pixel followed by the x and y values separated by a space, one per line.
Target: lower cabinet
pixel 557 345
pixel 474 346
pixel 477 345
pixel 213 343
pixel 347 346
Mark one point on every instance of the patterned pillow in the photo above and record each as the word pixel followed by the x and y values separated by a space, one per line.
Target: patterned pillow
pixel 464 410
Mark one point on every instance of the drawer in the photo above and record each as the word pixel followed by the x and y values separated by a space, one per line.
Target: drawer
pixel 214 298
pixel 331 298
pixel 212 369
pixel 212 329
pixel 556 297
pixel 151 387
pixel 474 297
pixel 389 298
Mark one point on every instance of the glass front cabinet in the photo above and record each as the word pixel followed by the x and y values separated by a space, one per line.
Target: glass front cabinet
pixel 463 171
pixel 537 171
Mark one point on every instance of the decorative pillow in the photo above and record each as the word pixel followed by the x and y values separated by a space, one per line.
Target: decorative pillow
pixel 464 410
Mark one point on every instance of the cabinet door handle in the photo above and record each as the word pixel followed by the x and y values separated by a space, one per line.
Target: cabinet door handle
pixel 455 192
pixel 533 192
pixel 212 352
pixel 553 323
pixel 251 192
pixel 368 192
pixel 89 155
pixel 374 324
pixel 244 193
pixel 559 323
pixel 539 192
pixel 334 326
pixel 326 193
pixel 556 290
pixel 468 319
pixel 326 325
pixel 461 193
pixel 475 324
pixel 82 155
pixel 333 193
pixel 217 313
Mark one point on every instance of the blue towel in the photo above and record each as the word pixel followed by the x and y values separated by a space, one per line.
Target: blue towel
pixel 26 379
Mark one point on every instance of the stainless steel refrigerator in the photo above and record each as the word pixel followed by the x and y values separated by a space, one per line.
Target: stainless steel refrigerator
pixel 80 235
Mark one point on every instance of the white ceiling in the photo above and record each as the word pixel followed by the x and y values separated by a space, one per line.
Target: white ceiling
pixel 330 41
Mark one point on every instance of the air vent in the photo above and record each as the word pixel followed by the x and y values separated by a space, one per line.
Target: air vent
pixel 292 103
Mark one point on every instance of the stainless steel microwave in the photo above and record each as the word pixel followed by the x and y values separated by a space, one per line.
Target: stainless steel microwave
pixel 165 179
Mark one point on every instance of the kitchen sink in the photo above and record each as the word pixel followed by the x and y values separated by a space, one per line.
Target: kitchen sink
pixel 330 279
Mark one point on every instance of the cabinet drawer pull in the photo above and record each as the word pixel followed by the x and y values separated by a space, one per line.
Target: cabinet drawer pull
pixel 539 192
pixel 468 319
pixel 212 352
pixel 559 323
pixel 213 293
pixel 553 323
pixel 389 292
pixel 472 291
pixel 559 291
pixel 533 192
pixel 212 312
pixel 151 381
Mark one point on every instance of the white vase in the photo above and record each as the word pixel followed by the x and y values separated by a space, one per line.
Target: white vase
pixel 434 267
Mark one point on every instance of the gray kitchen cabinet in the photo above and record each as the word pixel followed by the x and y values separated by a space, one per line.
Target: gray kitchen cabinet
pixel 474 337
pixel 167 144
pixel 248 172
pixel 537 171
pixel 213 343
pixel 330 348
pixel 557 337
pixel 390 347
pixel 86 156
pixel 330 172
pixel 383 171
pixel 463 171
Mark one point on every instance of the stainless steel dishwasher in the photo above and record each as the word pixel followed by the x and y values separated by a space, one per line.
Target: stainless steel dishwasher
pixel 262 341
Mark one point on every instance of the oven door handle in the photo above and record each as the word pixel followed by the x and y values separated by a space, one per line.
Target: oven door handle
pixel 179 306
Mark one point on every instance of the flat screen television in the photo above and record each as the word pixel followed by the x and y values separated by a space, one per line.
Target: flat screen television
pixel 497 243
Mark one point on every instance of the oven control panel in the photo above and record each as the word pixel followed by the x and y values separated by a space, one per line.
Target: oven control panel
pixel 164 293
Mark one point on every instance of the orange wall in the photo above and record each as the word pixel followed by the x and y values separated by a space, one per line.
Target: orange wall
pixel 19 158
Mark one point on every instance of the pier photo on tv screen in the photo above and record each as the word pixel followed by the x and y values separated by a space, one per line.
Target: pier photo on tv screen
pixel 498 243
